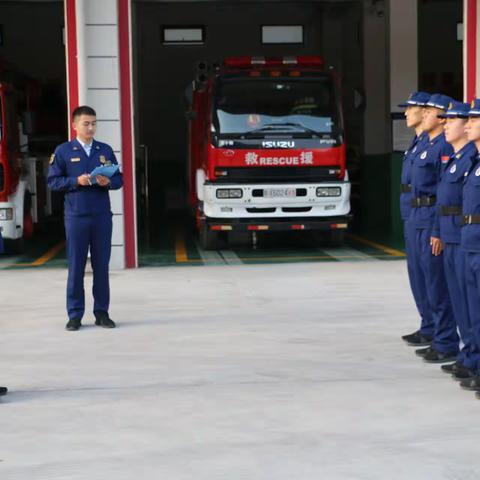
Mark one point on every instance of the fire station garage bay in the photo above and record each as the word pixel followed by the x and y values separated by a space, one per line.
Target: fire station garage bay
pixel 247 131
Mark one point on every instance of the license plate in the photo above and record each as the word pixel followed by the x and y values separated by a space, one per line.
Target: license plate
pixel 279 192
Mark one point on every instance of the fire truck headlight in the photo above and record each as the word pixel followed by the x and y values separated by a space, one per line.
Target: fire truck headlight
pixel 6 213
pixel 329 191
pixel 229 193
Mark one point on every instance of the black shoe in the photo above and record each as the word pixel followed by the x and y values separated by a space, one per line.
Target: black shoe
pixel 3 391
pixel 416 339
pixel 451 367
pixel 462 373
pixel 439 357
pixel 73 324
pixel 103 320
pixel 472 383
pixel 421 352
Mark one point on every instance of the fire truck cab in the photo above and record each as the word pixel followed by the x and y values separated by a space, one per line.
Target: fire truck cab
pixel 267 149
pixel 21 185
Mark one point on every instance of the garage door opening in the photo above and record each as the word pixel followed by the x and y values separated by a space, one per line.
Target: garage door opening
pixel 172 40
pixel 32 73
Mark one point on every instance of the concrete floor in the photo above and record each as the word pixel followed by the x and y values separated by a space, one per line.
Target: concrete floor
pixel 277 372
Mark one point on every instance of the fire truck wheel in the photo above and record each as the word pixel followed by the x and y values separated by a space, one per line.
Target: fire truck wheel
pixel 337 238
pixel 208 240
pixel 15 246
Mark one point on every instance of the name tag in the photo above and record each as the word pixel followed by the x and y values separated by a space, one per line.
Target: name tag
pixel 75 159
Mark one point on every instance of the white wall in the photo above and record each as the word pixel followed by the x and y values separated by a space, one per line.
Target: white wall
pixel 99 87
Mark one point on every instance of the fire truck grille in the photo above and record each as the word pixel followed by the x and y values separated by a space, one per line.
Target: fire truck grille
pixel 276 174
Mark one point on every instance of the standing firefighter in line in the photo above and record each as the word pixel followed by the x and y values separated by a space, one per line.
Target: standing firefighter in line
pixel 447 230
pixel 470 243
pixel 415 106
pixel 427 169
pixel 88 217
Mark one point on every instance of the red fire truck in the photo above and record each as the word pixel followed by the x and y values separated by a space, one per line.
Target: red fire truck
pixel 267 149
pixel 22 186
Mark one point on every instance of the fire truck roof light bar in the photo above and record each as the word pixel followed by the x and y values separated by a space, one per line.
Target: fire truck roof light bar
pixel 302 60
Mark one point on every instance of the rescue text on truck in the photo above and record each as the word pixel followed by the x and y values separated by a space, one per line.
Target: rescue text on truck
pixel 267 149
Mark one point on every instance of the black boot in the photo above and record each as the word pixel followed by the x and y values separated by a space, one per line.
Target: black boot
pixel 103 320
pixel 416 339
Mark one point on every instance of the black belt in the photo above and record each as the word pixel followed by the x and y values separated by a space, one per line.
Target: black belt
pixel 405 188
pixel 453 210
pixel 424 201
pixel 470 219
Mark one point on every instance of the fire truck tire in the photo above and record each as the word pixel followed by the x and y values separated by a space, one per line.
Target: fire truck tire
pixel 337 238
pixel 208 240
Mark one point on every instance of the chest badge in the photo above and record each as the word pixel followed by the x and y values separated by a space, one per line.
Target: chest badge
pixel 423 156
pixel 75 159
pixel 477 172
pixel 102 159
pixel 453 169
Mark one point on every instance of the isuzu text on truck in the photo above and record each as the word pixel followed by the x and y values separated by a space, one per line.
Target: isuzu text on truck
pixel 267 149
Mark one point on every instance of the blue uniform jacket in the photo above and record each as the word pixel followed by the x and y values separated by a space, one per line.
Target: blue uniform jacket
pixel 427 169
pixel 471 206
pixel 450 192
pixel 69 162
pixel 406 177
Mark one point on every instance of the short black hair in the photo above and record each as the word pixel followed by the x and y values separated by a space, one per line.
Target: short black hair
pixel 83 110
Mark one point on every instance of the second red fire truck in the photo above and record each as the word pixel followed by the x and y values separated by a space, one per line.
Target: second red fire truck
pixel 267 149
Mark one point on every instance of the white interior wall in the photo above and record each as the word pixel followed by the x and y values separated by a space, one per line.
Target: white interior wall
pixel 99 87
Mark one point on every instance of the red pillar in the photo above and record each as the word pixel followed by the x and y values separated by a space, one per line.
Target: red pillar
pixel 126 117
pixel 470 46
pixel 71 59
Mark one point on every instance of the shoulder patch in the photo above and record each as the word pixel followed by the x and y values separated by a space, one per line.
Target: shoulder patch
pixel 52 159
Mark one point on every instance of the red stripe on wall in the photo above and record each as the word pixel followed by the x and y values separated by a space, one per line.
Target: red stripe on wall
pixel 71 59
pixel 127 133
pixel 471 37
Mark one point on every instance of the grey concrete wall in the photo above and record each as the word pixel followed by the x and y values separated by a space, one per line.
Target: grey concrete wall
pixel 403 34
pixel 376 67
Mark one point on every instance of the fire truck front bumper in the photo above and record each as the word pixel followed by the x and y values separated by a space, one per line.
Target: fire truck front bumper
pixel 8 224
pixel 276 201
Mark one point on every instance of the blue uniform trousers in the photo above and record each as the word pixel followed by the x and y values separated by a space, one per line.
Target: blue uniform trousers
pixel 445 337
pixel 472 277
pixel 417 283
pixel 454 264
pixel 82 233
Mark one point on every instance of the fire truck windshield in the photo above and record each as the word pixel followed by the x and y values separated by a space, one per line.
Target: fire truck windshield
pixel 266 106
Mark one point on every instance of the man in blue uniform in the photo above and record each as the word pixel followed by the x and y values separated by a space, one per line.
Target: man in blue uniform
pixel 413 116
pixel 427 168
pixel 446 232
pixel 470 242
pixel 88 218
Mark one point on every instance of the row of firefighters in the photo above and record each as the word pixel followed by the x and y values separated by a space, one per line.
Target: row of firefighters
pixel 440 207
